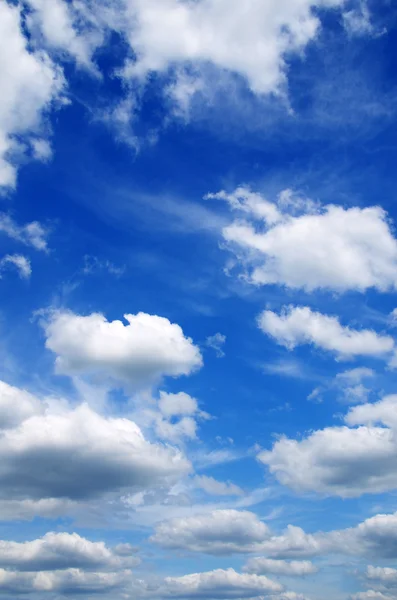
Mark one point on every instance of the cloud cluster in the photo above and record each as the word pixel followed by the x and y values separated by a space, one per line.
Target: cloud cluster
pixel 340 248
pixel 300 325
pixel 138 353
pixel 294 568
pixel 345 461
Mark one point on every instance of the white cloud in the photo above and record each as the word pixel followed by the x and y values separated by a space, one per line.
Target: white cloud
pixel 300 325
pixel 220 583
pixel 295 568
pixel 347 385
pixel 71 581
pixel 339 249
pixel 342 461
pixel 219 532
pixel 30 84
pixel 32 234
pixel 385 575
pixel 370 595
pixel 58 551
pixel 41 149
pixel 181 404
pixel 140 352
pixel 217 488
pixel 20 262
pixel 78 454
pixel 16 405
pixel 216 342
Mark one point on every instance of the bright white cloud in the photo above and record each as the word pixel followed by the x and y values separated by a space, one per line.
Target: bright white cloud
pixel 139 352
pixel 300 325
pixel 32 234
pixel 219 532
pixel 78 454
pixel 20 262
pixel 385 575
pixel 16 405
pixel 342 461
pixel 348 386
pixel 30 83
pixel 220 584
pixel 294 568
pixel 340 248
pixel 58 551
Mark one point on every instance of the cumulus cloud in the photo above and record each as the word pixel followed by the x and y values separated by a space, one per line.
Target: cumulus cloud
pixel 32 234
pixel 20 262
pixel 220 583
pixel 294 568
pixel 300 325
pixel 16 405
pixel 348 386
pixel 78 454
pixel 385 575
pixel 219 532
pixel 340 248
pixel 342 461
pixel 139 352
pixel 30 83
pixel 58 551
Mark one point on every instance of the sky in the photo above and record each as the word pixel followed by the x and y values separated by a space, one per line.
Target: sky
pixel 198 317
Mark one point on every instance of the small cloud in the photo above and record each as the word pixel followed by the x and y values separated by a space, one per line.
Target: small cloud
pixel 21 263
pixel 92 264
pixel 216 342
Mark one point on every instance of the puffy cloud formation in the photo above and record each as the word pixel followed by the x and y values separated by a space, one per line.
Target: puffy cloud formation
pixel 294 568
pixel 385 575
pixel 30 83
pixel 348 385
pixel 58 551
pixel 69 582
pixel 20 262
pixel 32 234
pixel 342 461
pixel 340 248
pixel 218 532
pixel 16 405
pixel 78 454
pixel 300 325
pixel 139 353
pixel 222 584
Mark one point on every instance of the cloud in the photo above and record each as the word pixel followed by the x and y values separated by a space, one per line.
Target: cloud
pixel 78 454
pixel 217 488
pixel 58 551
pixel 340 249
pixel 347 385
pixel 30 83
pixel 139 353
pixel 385 575
pixel 370 595
pixel 216 342
pixel 68 582
pixel 342 461
pixel 222 584
pixel 32 234
pixel 16 405
pixel 294 568
pixel 220 532
pixel 20 262
pixel 300 325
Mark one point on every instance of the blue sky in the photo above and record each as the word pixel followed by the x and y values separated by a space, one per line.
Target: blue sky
pixel 198 265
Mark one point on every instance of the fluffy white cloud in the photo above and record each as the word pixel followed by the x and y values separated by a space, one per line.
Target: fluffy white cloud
pixel 20 262
pixel 222 584
pixel 58 551
pixel 300 325
pixel 219 532
pixel 32 234
pixel 69 582
pixel 30 83
pixel 294 568
pixel 217 488
pixel 140 352
pixel 339 249
pixel 385 575
pixel 348 386
pixel 79 454
pixel 16 405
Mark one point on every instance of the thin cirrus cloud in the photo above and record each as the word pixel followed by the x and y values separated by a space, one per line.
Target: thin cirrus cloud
pixel 320 462
pixel 19 262
pixel 32 234
pixel 340 249
pixel 298 325
pixel 139 353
